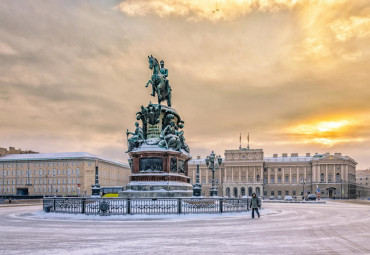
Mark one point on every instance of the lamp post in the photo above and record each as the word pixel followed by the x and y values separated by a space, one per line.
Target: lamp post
pixel 213 163
pixel 197 187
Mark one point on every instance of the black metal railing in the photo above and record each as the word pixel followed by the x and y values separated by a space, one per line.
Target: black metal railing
pixel 122 206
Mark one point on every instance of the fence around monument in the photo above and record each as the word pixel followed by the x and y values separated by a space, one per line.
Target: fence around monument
pixel 123 206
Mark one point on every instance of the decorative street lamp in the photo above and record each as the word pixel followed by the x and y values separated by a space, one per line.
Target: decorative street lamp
pixel 197 187
pixel 304 180
pixel 213 163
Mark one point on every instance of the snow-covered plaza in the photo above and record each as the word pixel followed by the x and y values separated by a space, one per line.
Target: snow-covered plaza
pixel 331 228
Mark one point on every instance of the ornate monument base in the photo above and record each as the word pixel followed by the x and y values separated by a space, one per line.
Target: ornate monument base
pixel 158 172
pixel 158 152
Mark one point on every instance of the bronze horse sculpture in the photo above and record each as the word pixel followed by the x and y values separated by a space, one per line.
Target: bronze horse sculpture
pixel 160 84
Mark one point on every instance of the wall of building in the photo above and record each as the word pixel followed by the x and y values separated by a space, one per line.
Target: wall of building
pixel 246 170
pixel 59 177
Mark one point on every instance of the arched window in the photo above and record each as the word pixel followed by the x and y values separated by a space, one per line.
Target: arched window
pixel 322 178
pixel 235 192
pixel 258 191
pixel 242 191
pixel 228 192
pixel 250 191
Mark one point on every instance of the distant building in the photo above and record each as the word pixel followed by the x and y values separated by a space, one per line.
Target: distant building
pixel 12 150
pixel 245 171
pixel 61 174
pixel 363 183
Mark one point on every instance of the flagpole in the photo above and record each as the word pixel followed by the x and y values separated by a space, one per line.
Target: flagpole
pixel 248 141
pixel 240 141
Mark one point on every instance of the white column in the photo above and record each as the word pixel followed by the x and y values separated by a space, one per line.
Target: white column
pixel 346 174
pixel 275 170
pixel 290 175
pixel 341 171
pixel 298 180
pixel 207 173
pixel 254 174
pixel 313 173
pixel 268 175
pixel 240 174
pixel 283 175
pixel 232 175
pixel 305 172
pixel 326 173
pixel 261 176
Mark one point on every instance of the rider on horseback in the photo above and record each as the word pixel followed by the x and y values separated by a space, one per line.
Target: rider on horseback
pixel 160 84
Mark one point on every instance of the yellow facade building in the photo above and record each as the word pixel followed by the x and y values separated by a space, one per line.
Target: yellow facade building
pixel 61 174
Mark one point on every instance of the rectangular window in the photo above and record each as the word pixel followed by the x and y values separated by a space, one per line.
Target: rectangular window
pixel 294 192
pixel 279 192
pixel 272 193
pixel 287 193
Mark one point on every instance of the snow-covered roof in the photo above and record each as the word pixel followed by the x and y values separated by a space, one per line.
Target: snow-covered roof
pixel 58 156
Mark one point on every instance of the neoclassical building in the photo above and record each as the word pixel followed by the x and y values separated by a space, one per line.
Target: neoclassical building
pixel 61 174
pixel 245 171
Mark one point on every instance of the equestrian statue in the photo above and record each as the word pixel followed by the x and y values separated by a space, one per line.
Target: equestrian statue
pixel 159 81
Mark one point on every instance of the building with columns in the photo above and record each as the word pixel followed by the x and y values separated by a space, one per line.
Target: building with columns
pixel 245 171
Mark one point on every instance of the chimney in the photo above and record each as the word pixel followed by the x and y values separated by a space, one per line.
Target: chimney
pixel 285 155
pixel 294 155
pixel 198 157
pixel 308 154
pixel 275 155
pixel 338 154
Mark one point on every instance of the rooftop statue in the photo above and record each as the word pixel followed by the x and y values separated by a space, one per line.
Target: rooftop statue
pixel 160 84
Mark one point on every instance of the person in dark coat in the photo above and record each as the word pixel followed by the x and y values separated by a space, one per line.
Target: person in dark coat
pixel 255 204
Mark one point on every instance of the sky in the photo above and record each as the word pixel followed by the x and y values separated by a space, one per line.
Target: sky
pixel 295 75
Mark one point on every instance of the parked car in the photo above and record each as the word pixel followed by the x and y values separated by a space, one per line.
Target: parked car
pixel 288 198
pixel 311 197
pixel 279 198
pixel 272 198
pixel 298 198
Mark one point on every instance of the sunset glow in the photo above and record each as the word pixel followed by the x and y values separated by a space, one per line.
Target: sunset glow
pixel 321 127
pixel 294 74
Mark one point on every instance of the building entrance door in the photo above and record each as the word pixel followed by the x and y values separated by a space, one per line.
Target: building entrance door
pixel 331 192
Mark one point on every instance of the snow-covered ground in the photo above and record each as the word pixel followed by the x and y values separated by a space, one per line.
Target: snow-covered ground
pixel 331 228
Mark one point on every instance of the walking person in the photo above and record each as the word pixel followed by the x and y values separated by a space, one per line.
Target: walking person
pixel 255 204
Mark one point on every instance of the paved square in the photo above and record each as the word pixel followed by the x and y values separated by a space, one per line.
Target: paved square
pixel 331 228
